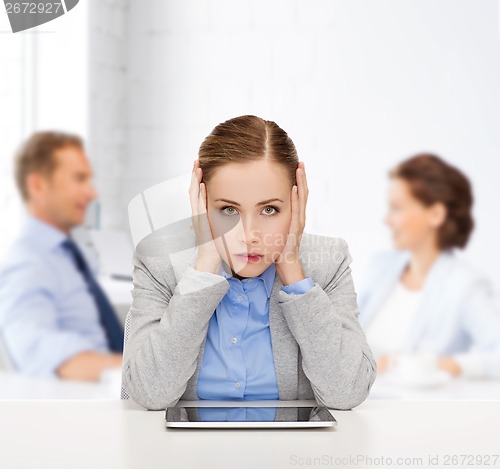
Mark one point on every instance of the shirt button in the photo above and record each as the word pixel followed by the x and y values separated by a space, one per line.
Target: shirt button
pixel 240 298
pixel 237 384
pixel 234 340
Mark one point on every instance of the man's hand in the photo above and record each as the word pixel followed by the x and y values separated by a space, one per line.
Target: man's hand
pixel 88 366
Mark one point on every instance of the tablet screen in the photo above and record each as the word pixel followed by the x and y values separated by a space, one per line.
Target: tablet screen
pixel 249 414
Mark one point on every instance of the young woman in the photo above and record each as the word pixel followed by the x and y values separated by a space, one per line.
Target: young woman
pixel 423 299
pixel 257 309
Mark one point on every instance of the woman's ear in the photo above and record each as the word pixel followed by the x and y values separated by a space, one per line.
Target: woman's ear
pixel 438 214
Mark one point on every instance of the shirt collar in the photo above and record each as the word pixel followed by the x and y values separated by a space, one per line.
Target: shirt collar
pixel 267 276
pixel 45 235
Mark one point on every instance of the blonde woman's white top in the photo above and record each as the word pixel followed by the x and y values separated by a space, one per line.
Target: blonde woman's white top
pixel 457 315
pixel 387 332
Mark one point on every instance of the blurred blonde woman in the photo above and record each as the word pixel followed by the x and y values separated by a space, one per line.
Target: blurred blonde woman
pixel 422 298
pixel 258 309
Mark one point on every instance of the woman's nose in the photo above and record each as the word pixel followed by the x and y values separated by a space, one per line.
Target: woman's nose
pixel 249 232
pixel 252 239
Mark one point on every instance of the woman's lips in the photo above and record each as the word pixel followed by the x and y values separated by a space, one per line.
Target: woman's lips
pixel 248 258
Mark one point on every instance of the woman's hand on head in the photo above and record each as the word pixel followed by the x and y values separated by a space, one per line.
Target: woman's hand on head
pixel 208 257
pixel 288 265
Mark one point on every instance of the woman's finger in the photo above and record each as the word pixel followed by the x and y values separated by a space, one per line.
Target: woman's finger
pixel 301 187
pixel 305 179
pixel 205 230
pixel 203 198
pixel 295 223
pixel 193 194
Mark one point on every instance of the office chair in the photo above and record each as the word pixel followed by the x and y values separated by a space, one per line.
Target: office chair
pixel 126 332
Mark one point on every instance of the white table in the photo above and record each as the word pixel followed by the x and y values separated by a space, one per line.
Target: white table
pixel 455 389
pixel 18 386
pixel 120 434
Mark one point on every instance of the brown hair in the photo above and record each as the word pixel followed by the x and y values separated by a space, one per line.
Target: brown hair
pixel 247 138
pixel 36 155
pixel 432 180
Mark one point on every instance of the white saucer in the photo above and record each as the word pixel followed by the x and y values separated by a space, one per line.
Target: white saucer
pixel 430 380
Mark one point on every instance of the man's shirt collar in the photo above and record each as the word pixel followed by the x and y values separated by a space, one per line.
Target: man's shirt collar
pixel 44 235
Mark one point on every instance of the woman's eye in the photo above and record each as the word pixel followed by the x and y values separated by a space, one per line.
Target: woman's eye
pixel 223 210
pixel 274 210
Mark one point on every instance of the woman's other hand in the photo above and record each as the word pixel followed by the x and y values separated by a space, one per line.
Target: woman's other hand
pixel 288 266
pixel 208 257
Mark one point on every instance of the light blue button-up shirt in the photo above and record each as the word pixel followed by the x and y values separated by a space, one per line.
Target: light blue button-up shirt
pixel 238 361
pixel 47 314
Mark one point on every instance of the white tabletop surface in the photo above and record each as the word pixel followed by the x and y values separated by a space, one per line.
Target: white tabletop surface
pixel 119 434
pixel 454 388
pixel 18 386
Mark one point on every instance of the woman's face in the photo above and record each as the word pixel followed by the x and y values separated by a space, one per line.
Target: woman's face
pixel 249 211
pixel 413 225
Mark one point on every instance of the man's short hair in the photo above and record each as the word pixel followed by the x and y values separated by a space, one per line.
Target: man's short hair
pixel 37 155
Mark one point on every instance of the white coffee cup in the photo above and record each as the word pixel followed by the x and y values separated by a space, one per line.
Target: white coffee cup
pixel 416 365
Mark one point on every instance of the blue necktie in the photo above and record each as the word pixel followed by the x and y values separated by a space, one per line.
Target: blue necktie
pixel 109 321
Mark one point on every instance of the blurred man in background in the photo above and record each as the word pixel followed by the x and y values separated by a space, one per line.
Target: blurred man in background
pixel 54 318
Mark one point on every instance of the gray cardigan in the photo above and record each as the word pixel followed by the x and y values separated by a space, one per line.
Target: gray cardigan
pixel 319 348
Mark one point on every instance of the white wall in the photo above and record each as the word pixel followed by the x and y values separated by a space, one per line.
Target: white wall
pixel 358 85
pixel 43 85
pixel 108 111
pixel 11 129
